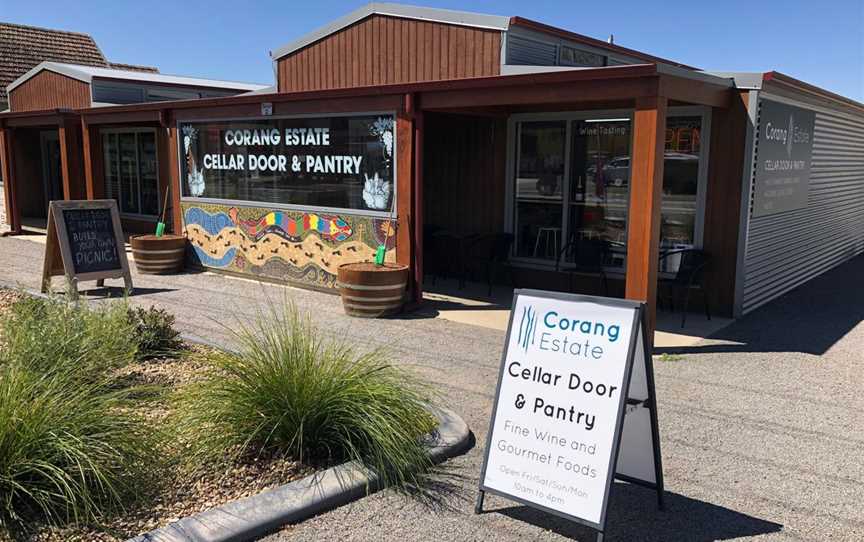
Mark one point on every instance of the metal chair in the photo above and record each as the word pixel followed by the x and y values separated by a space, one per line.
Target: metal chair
pixel 689 276
pixel 585 257
pixel 492 253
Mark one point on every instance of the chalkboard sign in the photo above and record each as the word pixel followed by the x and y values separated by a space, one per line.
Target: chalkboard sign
pixel 91 240
pixel 85 242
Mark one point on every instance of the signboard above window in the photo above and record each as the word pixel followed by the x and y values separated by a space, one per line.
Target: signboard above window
pixel 570 56
pixel 344 163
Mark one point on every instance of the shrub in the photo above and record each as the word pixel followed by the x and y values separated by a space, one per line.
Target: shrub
pixel 49 335
pixel 71 446
pixel 290 392
pixel 154 332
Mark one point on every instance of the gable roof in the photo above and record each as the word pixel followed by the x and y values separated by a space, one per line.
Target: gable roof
pixel 22 47
pixel 87 73
pixel 448 16
pixel 460 18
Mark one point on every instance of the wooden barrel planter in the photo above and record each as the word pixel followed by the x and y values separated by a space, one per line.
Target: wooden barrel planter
pixel 158 255
pixel 372 291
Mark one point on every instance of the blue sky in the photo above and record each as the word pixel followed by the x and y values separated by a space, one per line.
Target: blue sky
pixel 819 41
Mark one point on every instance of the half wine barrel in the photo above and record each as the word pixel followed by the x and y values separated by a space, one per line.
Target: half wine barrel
pixel 372 291
pixel 158 255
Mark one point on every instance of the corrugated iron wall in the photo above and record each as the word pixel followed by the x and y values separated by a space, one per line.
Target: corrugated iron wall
pixel 49 90
pixel 787 249
pixel 384 50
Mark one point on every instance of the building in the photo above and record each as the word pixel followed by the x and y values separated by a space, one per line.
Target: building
pixel 22 47
pixel 397 123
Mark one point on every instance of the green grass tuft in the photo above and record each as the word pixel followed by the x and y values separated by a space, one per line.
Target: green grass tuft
pixel 289 391
pixel 72 448
pixel 50 335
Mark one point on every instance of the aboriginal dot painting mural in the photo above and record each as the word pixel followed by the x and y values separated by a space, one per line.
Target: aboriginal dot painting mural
pixel 297 246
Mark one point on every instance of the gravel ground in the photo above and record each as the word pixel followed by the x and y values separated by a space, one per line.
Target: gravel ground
pixel 760 426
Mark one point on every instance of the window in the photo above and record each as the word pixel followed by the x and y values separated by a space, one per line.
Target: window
pixel 342 162
pixel 593 154
pixel 131 170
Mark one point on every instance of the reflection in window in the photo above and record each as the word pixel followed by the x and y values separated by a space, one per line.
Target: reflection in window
pixel 335 162
pixel 593 205
pixel 131 175
pixel 600 185
pixel 539 186
pixel 680 183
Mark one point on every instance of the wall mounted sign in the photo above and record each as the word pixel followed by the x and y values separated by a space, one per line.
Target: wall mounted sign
pixel 574 408
pixel 339 162
pixel 785 147
pixel 266 109
pixel 84 242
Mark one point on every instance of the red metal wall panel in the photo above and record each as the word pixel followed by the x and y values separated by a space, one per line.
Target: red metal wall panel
pixel 49 90
pixel 381 50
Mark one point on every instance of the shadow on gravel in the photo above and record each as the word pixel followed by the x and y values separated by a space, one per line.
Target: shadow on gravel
pixel 810 319
pixel 117 291
pixel 633 515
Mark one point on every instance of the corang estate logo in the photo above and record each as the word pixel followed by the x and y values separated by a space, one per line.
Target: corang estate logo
pixel 527 327
pixel 788 136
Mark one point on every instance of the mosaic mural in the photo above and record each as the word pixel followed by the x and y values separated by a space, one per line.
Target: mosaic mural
pixel 295 246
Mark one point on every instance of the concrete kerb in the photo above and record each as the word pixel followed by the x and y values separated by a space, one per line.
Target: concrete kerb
pixel 251 517
pixel 246 519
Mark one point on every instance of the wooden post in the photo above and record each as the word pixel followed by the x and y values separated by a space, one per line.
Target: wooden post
pixel 87 149
pixel 418 205
pixel 174 160
pixel 404 184
pixel 7 152
pixel 646 196
pixel 70 159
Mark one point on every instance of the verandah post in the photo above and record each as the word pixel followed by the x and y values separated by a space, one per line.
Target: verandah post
pixel 646 197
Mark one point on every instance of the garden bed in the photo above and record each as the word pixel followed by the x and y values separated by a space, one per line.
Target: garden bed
pixel 225 468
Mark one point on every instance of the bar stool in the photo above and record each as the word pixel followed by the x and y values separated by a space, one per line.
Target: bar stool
pixel 547 235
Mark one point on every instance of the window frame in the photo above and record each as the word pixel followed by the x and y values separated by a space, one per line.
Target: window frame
pixel 390 213
pixel 131 130
pixel 511 168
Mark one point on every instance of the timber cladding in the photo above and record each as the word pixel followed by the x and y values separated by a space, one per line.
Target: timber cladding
pixel 381 50
pixel 49 90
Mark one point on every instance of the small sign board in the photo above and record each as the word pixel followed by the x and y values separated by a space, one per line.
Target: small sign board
pixel 782 171
pixel 84 242
pixel 574 408
pixel 266 109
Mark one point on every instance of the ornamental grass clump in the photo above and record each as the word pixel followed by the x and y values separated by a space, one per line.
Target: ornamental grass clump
pixel 72 448
pixel 289 391
pixel 54 334
pixel 69 451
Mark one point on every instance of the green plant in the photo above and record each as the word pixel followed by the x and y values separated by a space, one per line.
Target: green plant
pixel 54 334
pixel 154 332
pixel 289 391
pixel 72 447
pixel 670 358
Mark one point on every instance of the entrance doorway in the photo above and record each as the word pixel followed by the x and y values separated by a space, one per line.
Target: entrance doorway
pixel 52 172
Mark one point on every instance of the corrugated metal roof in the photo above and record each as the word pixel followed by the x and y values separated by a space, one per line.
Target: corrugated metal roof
pixel 87 73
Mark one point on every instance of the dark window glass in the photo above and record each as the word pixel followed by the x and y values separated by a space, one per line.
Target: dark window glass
pixel 680 185
pixel 600 184
pixel 338 162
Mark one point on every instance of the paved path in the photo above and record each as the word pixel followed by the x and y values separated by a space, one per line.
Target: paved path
pixel 762 429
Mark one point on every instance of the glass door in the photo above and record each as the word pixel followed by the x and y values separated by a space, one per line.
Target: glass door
pixel 540 173
pixel 131 171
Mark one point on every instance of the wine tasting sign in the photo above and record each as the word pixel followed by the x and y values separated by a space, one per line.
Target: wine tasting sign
pixel 574 408
pixel 85 242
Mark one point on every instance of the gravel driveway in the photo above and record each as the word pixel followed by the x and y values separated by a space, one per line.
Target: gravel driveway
pixel 761 426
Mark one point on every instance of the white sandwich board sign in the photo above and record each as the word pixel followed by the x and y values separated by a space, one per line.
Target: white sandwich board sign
pixel 575 406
